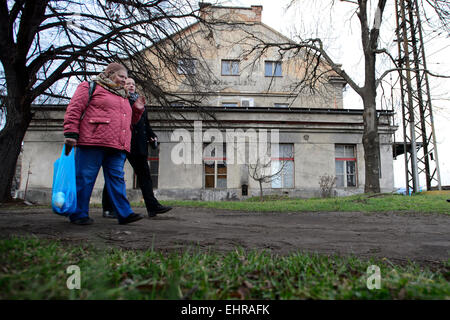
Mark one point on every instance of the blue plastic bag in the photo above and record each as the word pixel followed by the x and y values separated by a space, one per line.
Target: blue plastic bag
pixel 64 188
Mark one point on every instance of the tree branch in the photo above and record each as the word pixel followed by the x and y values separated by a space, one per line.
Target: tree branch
pixel 32 17
pixel 375 32
pixel 349 1
pixel 385 73
pixel 5 32
pixel 101 40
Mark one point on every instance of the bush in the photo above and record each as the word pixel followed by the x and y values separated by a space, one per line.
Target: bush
pixel 326 184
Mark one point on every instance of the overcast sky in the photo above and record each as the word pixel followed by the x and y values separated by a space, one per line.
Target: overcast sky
pixel 340 32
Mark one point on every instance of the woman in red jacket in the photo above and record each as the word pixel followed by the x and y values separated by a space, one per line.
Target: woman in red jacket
pixel 101 130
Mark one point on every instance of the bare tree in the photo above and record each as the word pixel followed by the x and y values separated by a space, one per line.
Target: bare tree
pixel 314 49
pixel 326 184
pixel 264 171
pixel 47 45
pixel 442 10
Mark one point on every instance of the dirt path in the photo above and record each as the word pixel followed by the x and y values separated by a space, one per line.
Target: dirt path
pixel 419 237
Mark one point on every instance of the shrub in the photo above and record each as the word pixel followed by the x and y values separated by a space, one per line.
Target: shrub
pixel 326 183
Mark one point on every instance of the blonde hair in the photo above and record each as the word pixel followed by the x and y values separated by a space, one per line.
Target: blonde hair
pixel 113 68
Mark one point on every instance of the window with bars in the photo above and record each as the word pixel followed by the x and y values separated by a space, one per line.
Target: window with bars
pixel 272 69
pixel 285 163
pixel 215 167
pixel 230 67
pixel 345 160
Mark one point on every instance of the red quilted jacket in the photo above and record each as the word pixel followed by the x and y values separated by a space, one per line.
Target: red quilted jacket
pixel 106 122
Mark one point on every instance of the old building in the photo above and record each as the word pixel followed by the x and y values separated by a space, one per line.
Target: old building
pixel 251 99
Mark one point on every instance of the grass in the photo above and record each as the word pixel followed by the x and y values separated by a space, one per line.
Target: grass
pixel 419 203
pixel 425 202
pixel 36 269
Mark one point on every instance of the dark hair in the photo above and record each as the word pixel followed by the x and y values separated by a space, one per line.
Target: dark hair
pixel 113 68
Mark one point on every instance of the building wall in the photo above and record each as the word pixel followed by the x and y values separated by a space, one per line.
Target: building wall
pixel 314 135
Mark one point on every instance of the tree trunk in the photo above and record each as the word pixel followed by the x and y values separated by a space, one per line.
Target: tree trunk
pixel 260 191
pixel 11 138
pixel 370 138
pixel 371 143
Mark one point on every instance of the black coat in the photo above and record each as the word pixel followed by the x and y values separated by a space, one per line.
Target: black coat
pixel 141 134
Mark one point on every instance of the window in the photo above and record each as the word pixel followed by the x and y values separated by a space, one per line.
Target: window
pixel 285 163
pixel 177 104
pixel 345 166
pixel 229 104
pixel 247 102
pixel 230 67
pixel 215 167
pixel 187 66
pixel 281 105
pixel 272 69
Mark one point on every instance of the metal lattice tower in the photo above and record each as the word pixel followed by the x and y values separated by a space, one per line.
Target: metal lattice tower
pixel 421 156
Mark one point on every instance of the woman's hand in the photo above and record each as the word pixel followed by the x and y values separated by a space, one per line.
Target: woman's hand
pixel 140 103
pixel 70 143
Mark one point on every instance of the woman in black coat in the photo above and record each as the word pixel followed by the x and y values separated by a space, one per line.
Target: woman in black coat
pixel 142 134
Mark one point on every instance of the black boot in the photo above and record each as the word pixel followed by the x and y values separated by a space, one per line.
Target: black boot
pixel 158 210
pixel 131 218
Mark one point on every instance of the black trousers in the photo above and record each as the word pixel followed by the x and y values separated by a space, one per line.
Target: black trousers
pixel 142 170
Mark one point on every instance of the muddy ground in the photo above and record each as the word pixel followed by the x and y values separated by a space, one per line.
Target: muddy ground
pixel 424 238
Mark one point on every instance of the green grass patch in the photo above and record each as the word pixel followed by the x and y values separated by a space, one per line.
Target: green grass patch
pixel 36 269
pixel 419 203
pixel 426 202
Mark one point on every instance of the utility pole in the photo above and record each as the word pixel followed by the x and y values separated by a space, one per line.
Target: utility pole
pixel 421 156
